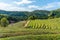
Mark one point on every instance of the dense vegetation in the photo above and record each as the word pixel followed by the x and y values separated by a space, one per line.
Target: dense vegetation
pixel 36 33
pixel 45 24
pixel 25 15
pixel 4 22
pixel 35 25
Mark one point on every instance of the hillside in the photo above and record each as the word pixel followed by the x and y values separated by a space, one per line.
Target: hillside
pixel 45 24
pixel 35 25
pixel 22 13
pixel 49 26
pixel 50 29
pixel 17 16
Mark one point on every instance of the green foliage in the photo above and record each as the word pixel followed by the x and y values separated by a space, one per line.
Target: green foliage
pixel 4 22
pixel 37 14
pixel 45 24
pixel 32 18
pixel 19 15
pixel 19 29
pixel 44 29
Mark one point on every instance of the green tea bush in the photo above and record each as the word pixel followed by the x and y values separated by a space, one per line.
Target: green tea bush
pixel 45 24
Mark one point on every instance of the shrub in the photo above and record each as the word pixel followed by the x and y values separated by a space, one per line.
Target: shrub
pixel 4 22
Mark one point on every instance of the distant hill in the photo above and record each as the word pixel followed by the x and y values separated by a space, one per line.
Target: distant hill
pixel 23 12
pixel 24 15
pixel 56 13
pixel 57 10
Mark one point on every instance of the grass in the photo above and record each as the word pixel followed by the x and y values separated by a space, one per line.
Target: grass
pixel 34 37
pixel 22 32
pixel 39 30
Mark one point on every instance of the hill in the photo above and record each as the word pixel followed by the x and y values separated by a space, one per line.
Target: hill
pixel 17 16
pixel 45 24
pixel 35 27
pixel 34 30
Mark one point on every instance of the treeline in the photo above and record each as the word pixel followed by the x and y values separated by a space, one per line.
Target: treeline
pixel 15 16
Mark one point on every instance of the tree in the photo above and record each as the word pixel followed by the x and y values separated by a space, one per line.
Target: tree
pixel 32 17
pixel 52 14
pixel 4 22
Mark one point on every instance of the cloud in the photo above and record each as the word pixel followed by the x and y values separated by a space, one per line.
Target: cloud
pixel 12 7
pixel 49 6
pixel 18 9
pixel 33 6
pixel 23 2
pixel 4 5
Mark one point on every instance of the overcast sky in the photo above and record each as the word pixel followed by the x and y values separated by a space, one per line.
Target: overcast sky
pixel 29 5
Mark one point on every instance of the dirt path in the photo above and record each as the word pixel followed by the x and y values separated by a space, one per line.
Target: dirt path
pixel 27 23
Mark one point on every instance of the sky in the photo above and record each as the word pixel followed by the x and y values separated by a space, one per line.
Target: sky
pixel 29 5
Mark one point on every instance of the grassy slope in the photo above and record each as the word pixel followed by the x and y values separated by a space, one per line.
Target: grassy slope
pixel 35 37
pixel 35 34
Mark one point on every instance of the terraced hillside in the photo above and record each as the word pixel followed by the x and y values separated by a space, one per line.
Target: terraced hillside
pixel 45 24
pixel 36 30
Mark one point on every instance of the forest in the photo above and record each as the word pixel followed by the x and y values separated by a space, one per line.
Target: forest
pixel 16 16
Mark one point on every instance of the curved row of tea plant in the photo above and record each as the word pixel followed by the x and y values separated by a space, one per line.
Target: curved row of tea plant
pixel 45 24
